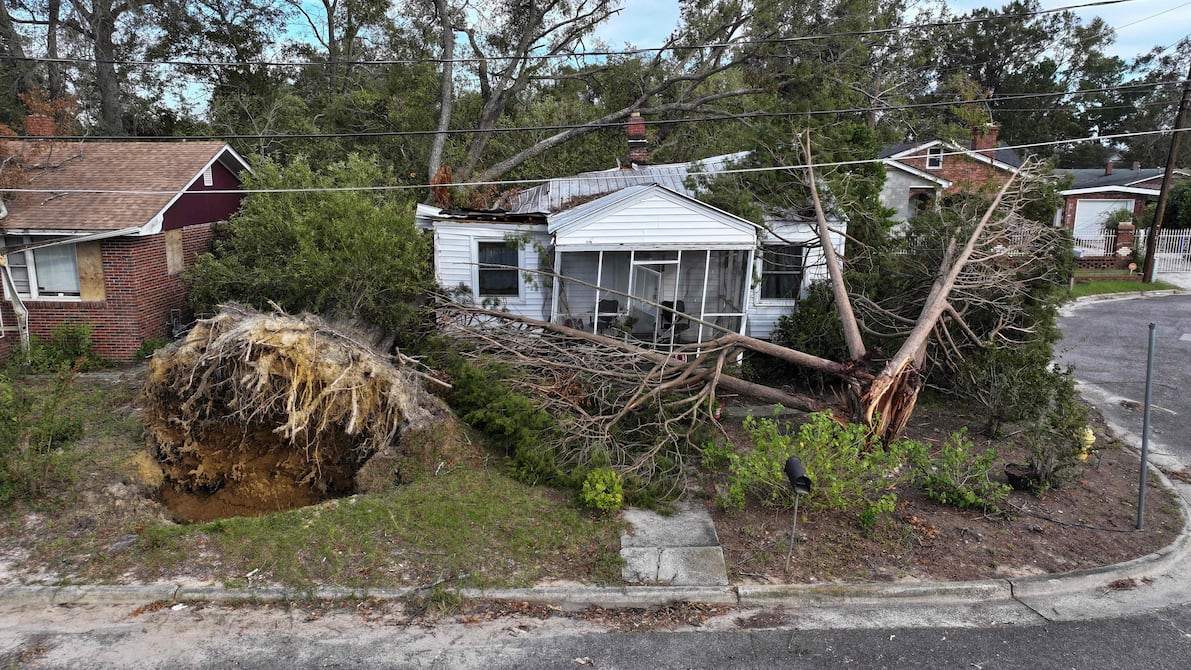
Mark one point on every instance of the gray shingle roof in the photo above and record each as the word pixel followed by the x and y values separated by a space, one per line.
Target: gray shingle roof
pixel 1095 177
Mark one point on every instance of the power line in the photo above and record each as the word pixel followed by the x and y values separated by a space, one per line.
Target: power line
pixel 516 182
pixel 611 124
pixel 577 54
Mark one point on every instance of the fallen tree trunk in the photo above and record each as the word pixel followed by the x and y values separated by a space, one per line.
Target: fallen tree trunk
pixel 851 374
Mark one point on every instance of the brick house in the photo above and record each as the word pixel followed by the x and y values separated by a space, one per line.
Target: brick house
pixel 1096 194
pixel 917 173
pixel 105 237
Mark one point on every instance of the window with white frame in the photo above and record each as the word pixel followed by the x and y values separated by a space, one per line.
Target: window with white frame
pixel 46 273
pixel 497 274
pixel 934 158
pixel 781 271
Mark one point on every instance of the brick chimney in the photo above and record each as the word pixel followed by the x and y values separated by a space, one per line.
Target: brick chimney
pixel 40 125
pixel 638 145
pixel 984 138
pixel 1108 168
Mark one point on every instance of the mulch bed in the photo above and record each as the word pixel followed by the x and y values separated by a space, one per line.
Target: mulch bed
pixel 1086 524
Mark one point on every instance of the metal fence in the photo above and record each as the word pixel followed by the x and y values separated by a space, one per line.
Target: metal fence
pixel 1173 253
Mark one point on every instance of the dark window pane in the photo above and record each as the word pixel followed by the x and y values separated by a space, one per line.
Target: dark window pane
pixel 496 281
pixel 781 272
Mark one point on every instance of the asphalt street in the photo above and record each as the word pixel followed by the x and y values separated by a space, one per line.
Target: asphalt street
pixel 1105 342
pixel 291 638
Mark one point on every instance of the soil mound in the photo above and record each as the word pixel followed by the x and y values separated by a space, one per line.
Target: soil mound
pixel 253 413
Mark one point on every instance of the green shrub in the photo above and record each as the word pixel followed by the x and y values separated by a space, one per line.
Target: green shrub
pixel 35 438
pixel 1055 439
pixel 602 490
pixel 850 469
pixel 69 347
pixel 957 475
pixel 149 346
pixel 349 253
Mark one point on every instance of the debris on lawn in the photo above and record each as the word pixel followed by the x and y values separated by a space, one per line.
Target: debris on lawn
pixel 252 413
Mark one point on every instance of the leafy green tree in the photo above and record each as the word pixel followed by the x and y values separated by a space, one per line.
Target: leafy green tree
pixel 342 254
pixel 1178 208
pixel 1013 50
pixel 1156 107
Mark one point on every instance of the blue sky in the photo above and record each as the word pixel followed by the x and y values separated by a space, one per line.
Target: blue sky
pixel 647 23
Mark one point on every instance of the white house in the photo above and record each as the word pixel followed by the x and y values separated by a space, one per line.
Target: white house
pixel 635 254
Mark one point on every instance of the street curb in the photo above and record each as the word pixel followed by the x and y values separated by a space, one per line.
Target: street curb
pixel 1123 295
pixel 1157 563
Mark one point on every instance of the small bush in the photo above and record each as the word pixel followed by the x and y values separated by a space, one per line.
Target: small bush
pixel 602 490
pixel 958 476
pixel 850 469
pixel 1056 439
pixel 35 438
pixel 149 346
pixel 69 347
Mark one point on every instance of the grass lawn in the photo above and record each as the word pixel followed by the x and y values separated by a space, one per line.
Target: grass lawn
pixel 466 525
pixel 1101 286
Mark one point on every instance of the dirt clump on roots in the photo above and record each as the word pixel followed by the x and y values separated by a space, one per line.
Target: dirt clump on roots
pixel 253 413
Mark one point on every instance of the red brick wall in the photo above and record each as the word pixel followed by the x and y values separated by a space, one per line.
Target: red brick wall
pixel 139 294
pixel 966 173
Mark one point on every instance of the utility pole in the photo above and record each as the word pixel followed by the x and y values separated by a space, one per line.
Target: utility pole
pixel 1180 120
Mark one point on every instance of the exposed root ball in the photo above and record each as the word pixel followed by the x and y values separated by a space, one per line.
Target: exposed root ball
pixel 269 411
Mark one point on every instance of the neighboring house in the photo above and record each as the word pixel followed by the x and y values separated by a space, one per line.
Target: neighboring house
pixel 622 239
pixel 1096 194
pixel 114 258
pixel 918 173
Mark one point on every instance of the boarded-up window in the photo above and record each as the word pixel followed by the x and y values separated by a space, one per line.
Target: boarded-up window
pixel 90 259
pixel 175 258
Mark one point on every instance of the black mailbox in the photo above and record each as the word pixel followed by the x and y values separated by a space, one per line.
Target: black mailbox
pixel 797 476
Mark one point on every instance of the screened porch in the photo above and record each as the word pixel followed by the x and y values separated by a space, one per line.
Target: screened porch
pixel 660 298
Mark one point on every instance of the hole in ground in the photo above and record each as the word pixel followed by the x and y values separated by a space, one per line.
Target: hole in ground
pixel 229 471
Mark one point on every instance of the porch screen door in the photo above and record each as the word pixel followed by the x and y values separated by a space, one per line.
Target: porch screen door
pixel 647 285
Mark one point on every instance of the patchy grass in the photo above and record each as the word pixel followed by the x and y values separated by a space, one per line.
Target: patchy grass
pixel 460 522
pixel 1101 286
pixel 472 528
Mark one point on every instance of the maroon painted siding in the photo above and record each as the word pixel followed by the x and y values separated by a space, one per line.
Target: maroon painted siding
pixel 197 207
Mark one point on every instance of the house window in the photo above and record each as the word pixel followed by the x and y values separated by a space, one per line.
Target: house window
pixel 493 279
pixel 934 158
pixel 208 177
pixel 45 273
pixel 781 271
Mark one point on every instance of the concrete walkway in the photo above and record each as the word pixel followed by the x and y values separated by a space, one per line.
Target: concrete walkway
pixel 1179 279
pixel 678 550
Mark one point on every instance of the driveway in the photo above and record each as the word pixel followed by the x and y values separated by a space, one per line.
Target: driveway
pixel 1105 341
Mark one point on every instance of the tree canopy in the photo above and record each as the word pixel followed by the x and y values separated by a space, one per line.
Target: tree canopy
pixel 339 76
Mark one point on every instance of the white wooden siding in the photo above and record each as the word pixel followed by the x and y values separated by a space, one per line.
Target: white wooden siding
pixel 763 315
pixel 455 262
pixel 654 222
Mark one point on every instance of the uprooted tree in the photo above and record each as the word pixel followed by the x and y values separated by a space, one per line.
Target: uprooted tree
pixel 610 401
pixel 261 412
